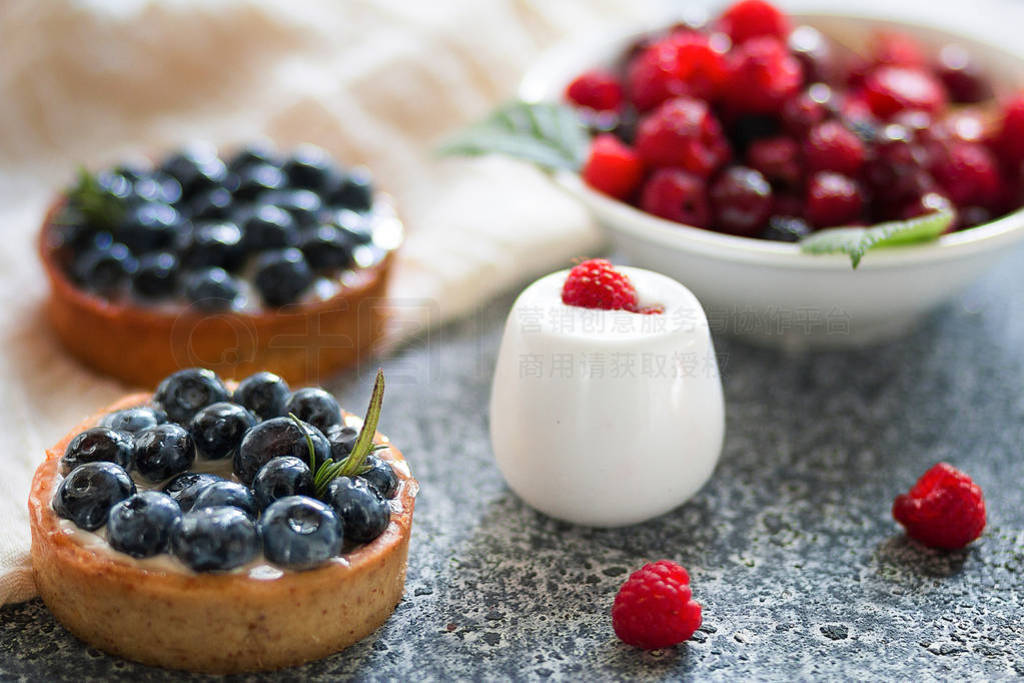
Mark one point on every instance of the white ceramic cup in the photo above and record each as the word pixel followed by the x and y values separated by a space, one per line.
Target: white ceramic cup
pixel 606 418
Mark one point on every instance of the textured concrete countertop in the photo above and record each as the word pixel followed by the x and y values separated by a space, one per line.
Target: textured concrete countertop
pixel 791 546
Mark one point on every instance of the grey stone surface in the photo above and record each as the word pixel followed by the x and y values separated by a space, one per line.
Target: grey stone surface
pixel 791 546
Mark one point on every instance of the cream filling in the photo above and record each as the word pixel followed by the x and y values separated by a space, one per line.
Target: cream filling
pixel 259 567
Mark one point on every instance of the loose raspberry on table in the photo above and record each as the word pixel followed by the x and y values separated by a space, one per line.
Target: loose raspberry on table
pixel 612 167
pixel 833 200
pixel 685 63
pixel 596 284
pixel 683 132
pixel 945 509
pixel 892 89
pixel 830 146
pixel 677 196
pixel 752 18
pixel 762 75
pixel 654 608
pixel 596 89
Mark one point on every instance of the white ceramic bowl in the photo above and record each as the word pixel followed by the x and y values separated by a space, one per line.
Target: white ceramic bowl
pixel 769 291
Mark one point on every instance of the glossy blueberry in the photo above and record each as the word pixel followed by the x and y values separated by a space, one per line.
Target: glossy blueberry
pixel 364 514
pixel 342 439
pixel 303 205
pixel 214 245
pixel 229 493
pixel 255 154
pixel 104 269
pixel 132 420
pixel 141 525
pixel 218 429
pixel 380 476
pixel 300 532
pixel 258 179
pixel 149 226
pixel 315 406
pixel 186 392
pixel 184 488
pixel 209 205
pixel 309 168
pixel 356 192
pixel 215 539
pixel 281 276
pixel 786 229
pixel 197 170
pixel 269 227
pixel 276 437
pixel 265 394
pixel 163 451
pixel 285 476
pixel 99 444
pixel 87 494
pixel 116 182
pixel 353 226
pixel 213 289
pixel 326 246
pixel 157 275
pixel 155 187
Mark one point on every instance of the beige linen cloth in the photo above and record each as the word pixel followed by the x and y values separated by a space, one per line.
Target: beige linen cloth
pixel 374 81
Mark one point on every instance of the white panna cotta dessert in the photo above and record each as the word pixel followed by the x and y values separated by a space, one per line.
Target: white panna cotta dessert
pixel 607 417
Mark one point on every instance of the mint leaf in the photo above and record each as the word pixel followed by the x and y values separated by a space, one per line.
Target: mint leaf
pixel 544 133
pixel 856 241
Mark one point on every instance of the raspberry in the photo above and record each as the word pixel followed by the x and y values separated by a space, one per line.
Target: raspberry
pixel 596 284
pixel 655 608
pixel 742 200
pixel 833 200
pixel 896 174
pixel 778 159
pixel 612 167
pixel 762 75
pixel 897 49
pixel 678 196
pixel 968 173
pixel 682 132
pixel 752 18
pixel 598 90
pixel 685 63
pixel 945 508
pixel 1010 141
pixel 830 146
pixel 892 89
pixel 801 113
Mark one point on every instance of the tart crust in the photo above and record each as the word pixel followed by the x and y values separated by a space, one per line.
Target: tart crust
pixel 215 623
pixel 301 342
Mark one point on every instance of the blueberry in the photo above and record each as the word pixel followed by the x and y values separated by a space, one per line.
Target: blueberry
pixel 354 226
pixel 276 437
pixel 285 476
pixel 315 406
pixel 380 476
pixel 213 204
pixel 215 539
pixel 115 183
pixel 264 393
pixel 364 514
pixel 104 269
pixel 99 444
pixel 86 495
pixel 163 451
pixel 300 532
pixel 326 246
pixel 197 170
pixel 215 245
pixel 308 168
pixel 132 420
pixel 356 192
pixel 186 392
pixel 218 429
pixel 157 275
pixel 269 227
pixel 786 229
pixel 257 179
pixel 342 439
pixel 303 206
pixel 141 525
pixel 281 276
pixel 213 289
pixel 253 155
pixel 149 227
pixel 156 187
pixel 185 487
pixel 221 493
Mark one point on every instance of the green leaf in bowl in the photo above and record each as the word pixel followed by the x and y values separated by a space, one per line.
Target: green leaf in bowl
pixel 856 241
pixel 544 133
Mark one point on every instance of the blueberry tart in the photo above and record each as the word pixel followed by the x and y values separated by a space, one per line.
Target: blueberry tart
pixel 253 260
pixel 177 529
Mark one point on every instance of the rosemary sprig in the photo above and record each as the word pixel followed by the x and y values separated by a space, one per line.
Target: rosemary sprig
pixel 89 200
